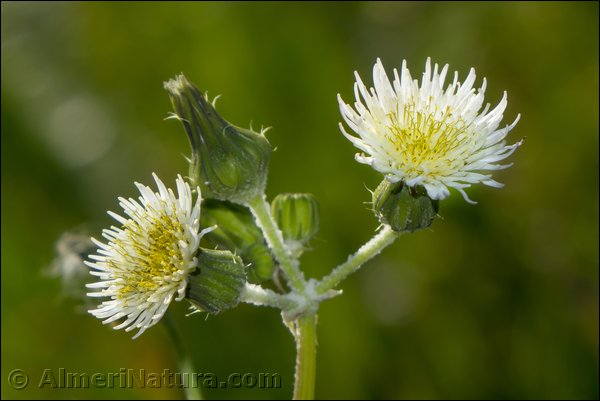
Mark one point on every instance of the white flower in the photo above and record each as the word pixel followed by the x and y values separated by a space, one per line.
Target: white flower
pixel 425 135
pixel 146 262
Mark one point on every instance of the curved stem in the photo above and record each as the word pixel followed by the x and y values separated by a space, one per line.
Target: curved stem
pixel 185 365
pixel 264 219
pixel 384 238
pixel 306 357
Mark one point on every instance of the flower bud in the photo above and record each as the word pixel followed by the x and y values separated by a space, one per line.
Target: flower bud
pixel 237 231
pixel 217 284
pixel 297 215
pixel 402 207
pixel 229 163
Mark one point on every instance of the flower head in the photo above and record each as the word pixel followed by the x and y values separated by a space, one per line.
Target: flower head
pixel 146 262
pixel 427 135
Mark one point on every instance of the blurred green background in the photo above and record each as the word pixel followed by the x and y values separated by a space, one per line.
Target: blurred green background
pixel 497 300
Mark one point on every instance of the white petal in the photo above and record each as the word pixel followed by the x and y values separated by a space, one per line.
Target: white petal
pixel 123 264
pixel 421 134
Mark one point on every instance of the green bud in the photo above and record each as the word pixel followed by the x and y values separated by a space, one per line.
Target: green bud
pixel 229 163
pixel 236 228
pixel 402 207
pixel 237 231
pixel 217 284
pixel 297 215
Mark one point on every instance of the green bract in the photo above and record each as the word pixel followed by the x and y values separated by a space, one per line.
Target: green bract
pixel 404 208
pixel 217 283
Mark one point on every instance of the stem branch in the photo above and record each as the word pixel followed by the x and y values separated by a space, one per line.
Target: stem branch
pixel 259 296
pixel 384 238
pixel 264 219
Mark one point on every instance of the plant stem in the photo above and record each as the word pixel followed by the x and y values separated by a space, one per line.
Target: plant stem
pixel 264 219
pixel 372 248
pixel 306 357
pixel 259 296
pixel 184 361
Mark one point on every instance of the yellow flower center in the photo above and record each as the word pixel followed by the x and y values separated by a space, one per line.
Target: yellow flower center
pixel 157 254
pixel 425 137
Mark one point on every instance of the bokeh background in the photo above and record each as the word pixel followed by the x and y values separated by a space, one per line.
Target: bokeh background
pixel 497 300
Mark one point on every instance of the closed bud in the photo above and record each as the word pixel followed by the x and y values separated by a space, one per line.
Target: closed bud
pixel 402 207
pixel 297 215
pixel 237 231
pixel 218 282
pixel 228 162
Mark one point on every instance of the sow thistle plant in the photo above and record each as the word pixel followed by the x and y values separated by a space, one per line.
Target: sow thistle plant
pixel 424 138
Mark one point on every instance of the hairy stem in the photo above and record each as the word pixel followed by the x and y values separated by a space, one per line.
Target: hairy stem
pixel 259 296
pixel 306 357
pixel 264 219
pixel 372 248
